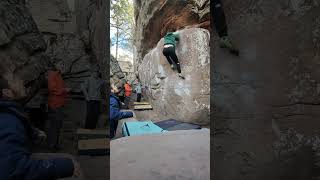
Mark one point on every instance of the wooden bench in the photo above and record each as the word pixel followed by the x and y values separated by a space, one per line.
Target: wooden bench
pixel 93 147
pixel 143 107
pixel 92 133
pixel 141 103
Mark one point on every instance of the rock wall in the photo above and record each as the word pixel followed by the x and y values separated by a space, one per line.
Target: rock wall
pixel 34 33
pixel 154 17
pixel 116 73
pixel 74 36
pixel 276 77
pixel 21 46
pixel 187 100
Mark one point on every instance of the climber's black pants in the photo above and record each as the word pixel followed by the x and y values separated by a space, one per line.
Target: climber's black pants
pixel 170 54
pixel 219 19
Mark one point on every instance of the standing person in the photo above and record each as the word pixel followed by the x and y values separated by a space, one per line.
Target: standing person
pixel 56 101
pixel 128 92
pixel 121 90
pixel 220 24
pixel 92 90
pixel 169 50
pixel 115 113
pixel 16 136
pixel 138 91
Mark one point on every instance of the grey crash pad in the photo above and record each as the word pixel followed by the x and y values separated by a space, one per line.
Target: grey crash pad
pixel 179 155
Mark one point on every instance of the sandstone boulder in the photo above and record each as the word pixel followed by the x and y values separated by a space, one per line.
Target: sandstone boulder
pixel 186 100
pixel 154 17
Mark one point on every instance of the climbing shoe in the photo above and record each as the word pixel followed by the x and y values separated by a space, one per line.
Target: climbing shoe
pixel 180 75
pixel 172 66
pixel 225 42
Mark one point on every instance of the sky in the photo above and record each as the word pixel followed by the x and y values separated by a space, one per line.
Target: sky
pixel 120 50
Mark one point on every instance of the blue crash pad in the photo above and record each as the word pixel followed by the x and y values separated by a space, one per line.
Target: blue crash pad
pixel 140 128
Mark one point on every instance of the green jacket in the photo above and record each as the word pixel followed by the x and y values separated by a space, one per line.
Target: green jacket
pixel 171 38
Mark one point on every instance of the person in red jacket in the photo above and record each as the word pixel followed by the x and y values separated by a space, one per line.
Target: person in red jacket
pixel 56 100
pixel 127 93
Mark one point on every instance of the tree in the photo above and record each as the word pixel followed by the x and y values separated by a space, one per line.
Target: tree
pixel 122 20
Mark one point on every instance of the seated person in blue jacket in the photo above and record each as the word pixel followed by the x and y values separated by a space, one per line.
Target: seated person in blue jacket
pixel 16 135
pixel 115 113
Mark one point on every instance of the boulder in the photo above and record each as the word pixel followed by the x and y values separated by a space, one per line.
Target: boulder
pixel 116 73
pixel 276 77
pixel 183 99
pixel 154 17
pixel 22 47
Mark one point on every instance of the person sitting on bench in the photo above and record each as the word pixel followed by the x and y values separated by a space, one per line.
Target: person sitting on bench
pixel 115 113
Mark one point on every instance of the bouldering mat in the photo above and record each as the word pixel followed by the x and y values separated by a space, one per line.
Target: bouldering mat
pixel 173 125
pixel 140 128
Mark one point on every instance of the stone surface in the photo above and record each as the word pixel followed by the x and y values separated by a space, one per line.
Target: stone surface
pixel 275 77
pixel 74 35
pixel 39 32
pixel 163 156
pixel 21 47
pixel 116 73
pixel 154 17
pixel 186 100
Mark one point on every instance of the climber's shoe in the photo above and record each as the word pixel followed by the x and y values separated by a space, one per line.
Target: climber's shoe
pixel 172 66
pixel 225 42
pixel 180 75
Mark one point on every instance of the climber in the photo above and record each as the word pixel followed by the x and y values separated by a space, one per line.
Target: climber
pixel 138 91
pixel 92 90
pixel 56 101
pixel 16 138
pixel 115 113
pixel 128 91
pixel 220 24
pixel 169 49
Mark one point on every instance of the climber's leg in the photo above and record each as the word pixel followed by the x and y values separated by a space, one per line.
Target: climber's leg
pixel 166 53
pixel 219 19
pixel 220 24
pixel 174 58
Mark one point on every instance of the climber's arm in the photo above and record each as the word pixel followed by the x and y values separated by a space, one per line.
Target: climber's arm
pixel 176 36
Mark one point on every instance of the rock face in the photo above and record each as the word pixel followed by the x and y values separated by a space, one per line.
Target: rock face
pixel 187 100
pixel 154 17
pixel 34 33
pixel 21 46
pixel 116 73
pixel 276 77
pixel 73 35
